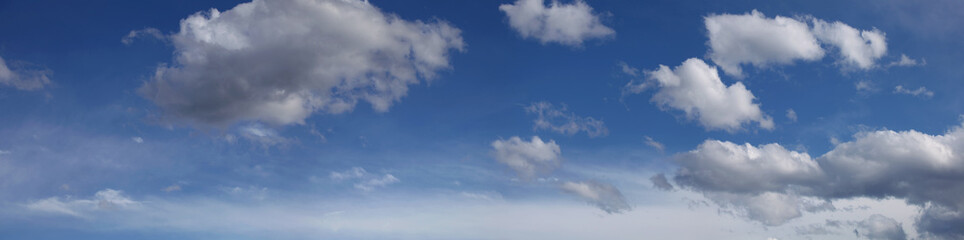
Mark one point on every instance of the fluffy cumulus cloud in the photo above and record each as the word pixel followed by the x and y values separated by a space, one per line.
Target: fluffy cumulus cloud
pixel 567 24
pixel 696 89
pixel 23 78
pixel 604 196
pixel 559 119
pixel 527 158
pixel 754 39
pixel 280 61
pixel 858 48
pixel 924 170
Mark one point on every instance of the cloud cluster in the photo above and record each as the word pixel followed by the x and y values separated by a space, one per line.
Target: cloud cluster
pixel 280 61
pixel 695 88
pixel 602 195
pixel 752 38
pixel 22 78
pixel 561 120
pixel 924 170
pixel 566 24
pixel 527 158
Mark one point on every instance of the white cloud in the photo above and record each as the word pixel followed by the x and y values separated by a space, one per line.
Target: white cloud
pixel 527 158
pixel 561 120
pixel 755 39
pixel 172 188
pixel 752 38
pixel 567 24
pixel 23 78
pixel 696 89
pixel 725 166
pixel 604 196
pixel 859 48
pixel 107 199
pixel 919 92
pixel 280 61
pixel 137 139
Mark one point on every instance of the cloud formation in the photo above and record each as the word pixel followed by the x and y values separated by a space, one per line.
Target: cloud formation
pixel 754 39
pixel 23 78
pixel 527 158
pixel 604 196
pixel 696 89
pixel 280 61
pixel 566 24
pixel 561 120
pixel 922 169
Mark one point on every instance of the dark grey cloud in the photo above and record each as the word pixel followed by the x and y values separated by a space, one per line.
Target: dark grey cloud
pixel 278 62
pixel 661 183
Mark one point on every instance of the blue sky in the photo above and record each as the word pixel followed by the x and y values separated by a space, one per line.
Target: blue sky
pixel 524 119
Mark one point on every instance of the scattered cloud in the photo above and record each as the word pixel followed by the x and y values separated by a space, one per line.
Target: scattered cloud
pixel 23 78
pixel 258 133
pixel 527 158
pixel 261 61
pixel 696 89
pixel 147 32
pixel 919 92
pixel 363 180
pixel 604 196
pixel 905 61
pixel 654 144
pixel 566 24
pixel 791 115
pixel 559 119
pixel 172 188
pixel 865 87
pixel 137 139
